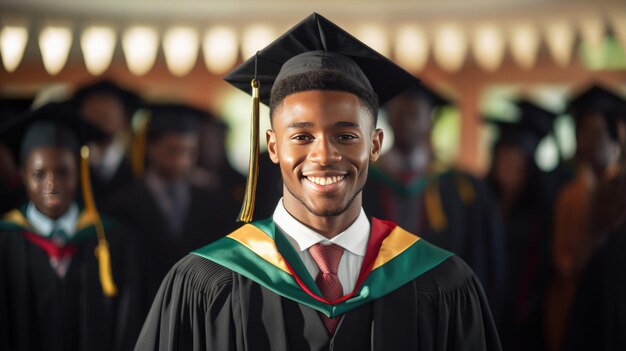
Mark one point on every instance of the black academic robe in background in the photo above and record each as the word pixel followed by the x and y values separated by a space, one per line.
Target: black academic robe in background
pixel 104 189
pixel 41 311
pixel 473 227
pixel 598 315
pixel 204 306
pixel 206 220
pixel 269 187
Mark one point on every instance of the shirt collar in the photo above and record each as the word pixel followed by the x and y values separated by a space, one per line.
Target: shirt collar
pixel 44 225
pixel 301 237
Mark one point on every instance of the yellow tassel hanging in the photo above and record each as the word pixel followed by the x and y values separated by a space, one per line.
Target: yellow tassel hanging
pixel 247 209
pixel 102 250
pixel 138 150
pixel 434 209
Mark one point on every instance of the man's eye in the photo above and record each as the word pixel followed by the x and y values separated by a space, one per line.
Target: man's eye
pixel 301 137
pixel 346 137
pixel 37 174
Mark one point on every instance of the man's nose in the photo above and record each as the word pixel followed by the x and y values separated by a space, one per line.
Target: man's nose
pixel 324 152
pixel 49 182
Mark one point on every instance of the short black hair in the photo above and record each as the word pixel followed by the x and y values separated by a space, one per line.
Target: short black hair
pixel 323 79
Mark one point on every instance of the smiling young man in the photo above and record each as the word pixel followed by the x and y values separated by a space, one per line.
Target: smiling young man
pixel 318 274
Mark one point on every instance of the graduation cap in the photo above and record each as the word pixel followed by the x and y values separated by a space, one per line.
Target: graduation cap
pixel 514 133
pixel 54 124
pixel 157 120
pixel 130 101
pixel 534 124
pixel 314 44
pixel 10 107
pixel 60 125
pixel 536 118
pixel 601 100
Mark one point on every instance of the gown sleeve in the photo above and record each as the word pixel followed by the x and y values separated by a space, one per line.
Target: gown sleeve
pixel 192 309
pixel 454 310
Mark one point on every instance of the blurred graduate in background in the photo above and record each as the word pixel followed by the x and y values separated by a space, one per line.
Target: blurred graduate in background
pixel 56 294
pixel 110 108
pixel 596 164
pixel 597 314
pixel 520 189
pixel 169 214
pixel 448 207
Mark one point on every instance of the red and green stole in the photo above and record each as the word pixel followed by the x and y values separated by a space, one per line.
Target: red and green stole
pixel 15 221
pixel 261 253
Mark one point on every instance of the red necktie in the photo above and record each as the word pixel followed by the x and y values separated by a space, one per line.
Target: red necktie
pixel 327 258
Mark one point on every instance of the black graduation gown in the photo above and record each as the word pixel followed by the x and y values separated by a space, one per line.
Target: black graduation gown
pixel 598 315
pixel 204 306
pixel 473 230
pixel 103 190
pixel 269 187
pixel 40 311
pixel 528 268
pixel 206 220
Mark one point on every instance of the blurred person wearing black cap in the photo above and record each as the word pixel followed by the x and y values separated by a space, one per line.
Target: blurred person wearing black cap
pixel 448 207
pixel 520 188
pixel 110 108
pixel 598 312
pixel 56 294
pixel 169 214
pixel 596 162
pixel 318 275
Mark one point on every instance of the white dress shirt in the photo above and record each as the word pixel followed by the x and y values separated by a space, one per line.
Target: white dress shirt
pixel 44 226
pixel 354 241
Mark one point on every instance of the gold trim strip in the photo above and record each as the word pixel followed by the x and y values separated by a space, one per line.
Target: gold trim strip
pixel 261 244
pixel 16 217
pixel 396 243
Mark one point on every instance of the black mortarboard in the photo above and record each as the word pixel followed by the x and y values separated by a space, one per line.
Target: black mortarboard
pixel 172 118
pixel 54 124
pixel 601 100
pixel 535 118
pixel 514 133
pixel 10 107
pixel 129 99
pixel 317 43
pixel 314 44
pixel 60 125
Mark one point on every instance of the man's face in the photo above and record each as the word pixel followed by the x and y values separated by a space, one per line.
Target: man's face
pixel 51 177
pixel 173 156
pixel 105 112
pixel 510 168
pixel 409 118
pixel 323 142
pixel 593 141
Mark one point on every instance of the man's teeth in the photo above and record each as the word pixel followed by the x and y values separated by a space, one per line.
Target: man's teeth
pixel 325 180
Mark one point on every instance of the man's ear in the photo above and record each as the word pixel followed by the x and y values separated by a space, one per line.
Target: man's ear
pixel 377 144
pixel 270 138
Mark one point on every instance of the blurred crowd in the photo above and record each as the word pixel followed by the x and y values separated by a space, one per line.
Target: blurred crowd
pixel 547 246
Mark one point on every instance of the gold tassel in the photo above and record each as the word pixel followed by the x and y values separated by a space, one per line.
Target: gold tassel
pixel 102 250
pixel 140 129
pixel 434 209
pixel 466 189
pixel 247 209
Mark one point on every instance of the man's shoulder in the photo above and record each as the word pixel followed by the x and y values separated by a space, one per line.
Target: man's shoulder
pixel 200 273
pixel 451 274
